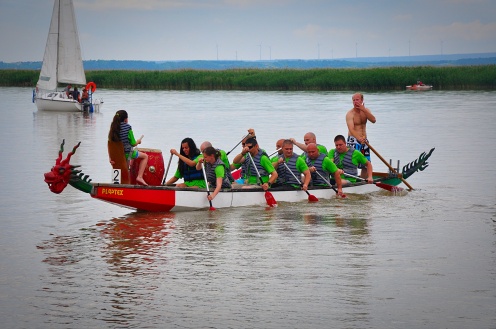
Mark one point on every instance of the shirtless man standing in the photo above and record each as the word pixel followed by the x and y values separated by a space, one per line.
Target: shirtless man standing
pixel 356 119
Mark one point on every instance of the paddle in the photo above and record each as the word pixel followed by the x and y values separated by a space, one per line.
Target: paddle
pixel 168 165
pixel 385 186
pixel 311 198
pixel 238 143
pixel 206 182
pixel 389 166
pixel 329 183
pixel 274 152
pixel 271 201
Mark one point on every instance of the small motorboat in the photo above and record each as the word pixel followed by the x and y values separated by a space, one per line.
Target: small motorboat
pixel 419 86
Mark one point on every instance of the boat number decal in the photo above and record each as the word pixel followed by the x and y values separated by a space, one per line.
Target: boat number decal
pixel 114 191
pixel 116 176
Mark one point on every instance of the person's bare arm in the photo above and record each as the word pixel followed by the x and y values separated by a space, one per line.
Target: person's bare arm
pixel 368 113
pixel 306 180
pixel 301 146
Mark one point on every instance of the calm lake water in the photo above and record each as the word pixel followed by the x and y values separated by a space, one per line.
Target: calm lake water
pixel 423 259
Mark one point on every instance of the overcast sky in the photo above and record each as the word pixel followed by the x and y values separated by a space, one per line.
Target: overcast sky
pixel 254 29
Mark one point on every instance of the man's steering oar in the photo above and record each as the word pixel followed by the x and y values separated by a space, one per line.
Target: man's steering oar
pixel 271 201
pixel 206 183
pixel 385 186
pixel 329 183
pixel 388 165
pixel 311 197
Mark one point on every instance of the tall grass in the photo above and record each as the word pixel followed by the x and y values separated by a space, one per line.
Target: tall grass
pixel 391 78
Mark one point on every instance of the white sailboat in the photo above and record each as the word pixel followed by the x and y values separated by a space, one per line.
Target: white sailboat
pixel 63 64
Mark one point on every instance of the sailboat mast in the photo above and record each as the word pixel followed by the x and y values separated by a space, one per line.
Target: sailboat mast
pixel 58 45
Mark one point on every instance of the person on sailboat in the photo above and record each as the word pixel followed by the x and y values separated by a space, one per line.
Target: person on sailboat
pixel 75 94
pixel 68 92
pixel 85 99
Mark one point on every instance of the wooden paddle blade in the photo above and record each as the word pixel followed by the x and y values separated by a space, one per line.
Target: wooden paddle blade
pixel 388 187
pixel 312 198
pixel 270 199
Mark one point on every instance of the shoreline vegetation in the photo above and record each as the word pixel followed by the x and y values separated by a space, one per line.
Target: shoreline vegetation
pixel 477 77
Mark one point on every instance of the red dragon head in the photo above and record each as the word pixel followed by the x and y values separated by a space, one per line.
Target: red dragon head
pixel 60 174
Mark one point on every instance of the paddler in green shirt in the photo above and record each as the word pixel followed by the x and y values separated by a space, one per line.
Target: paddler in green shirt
pixel 264 167
pixel 293 166
pixel 321 167
pixel 348 159
pixel 223 158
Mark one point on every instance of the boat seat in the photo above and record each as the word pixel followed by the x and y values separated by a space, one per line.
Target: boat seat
pixel 116 153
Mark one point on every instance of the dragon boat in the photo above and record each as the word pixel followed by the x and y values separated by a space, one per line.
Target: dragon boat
pixel 159 198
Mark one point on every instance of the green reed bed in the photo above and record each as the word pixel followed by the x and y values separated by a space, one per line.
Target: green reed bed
pixel 390 78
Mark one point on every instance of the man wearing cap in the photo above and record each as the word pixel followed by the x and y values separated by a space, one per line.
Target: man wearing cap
pixel 252 155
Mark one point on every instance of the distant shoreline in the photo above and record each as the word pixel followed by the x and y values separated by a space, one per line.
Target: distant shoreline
pixel 480 77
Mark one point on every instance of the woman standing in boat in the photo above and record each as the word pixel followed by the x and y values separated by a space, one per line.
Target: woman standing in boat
pixel 215 170
pixel 186 166
pixel 121 130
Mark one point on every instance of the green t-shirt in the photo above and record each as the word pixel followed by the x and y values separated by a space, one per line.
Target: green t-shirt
pixel 322 149
pixel 223 158
pixel 327 165
pixel 220 172
pixel 196 182
pixel 301 165
pixel 252 173
pixel 356 158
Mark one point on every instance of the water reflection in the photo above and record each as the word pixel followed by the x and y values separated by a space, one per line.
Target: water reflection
pixel 135 239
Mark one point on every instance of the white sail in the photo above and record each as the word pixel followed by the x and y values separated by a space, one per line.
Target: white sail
pixel 62 62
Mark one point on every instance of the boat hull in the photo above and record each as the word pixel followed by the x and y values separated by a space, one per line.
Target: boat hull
pixel 165 198
pixel 55 102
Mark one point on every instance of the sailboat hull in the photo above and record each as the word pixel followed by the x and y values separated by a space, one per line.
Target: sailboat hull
pixel 55 102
